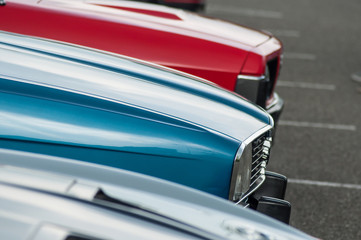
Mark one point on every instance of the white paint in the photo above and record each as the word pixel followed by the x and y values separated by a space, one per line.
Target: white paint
pixel 325 184
pixel 244 11
pixel 300 56
pixel 316 86
pixel 317 125
pixel 283 33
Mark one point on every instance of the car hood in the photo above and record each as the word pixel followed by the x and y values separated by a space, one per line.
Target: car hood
pixel 166 19
pixel 153 92
pixel 187 206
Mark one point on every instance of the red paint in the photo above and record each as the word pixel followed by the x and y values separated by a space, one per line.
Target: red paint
pixel 145 11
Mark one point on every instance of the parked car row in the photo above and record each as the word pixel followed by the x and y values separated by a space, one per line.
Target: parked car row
pixel 77 98
pixel 237 58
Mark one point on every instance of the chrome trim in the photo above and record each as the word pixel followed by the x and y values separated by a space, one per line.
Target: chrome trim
pixel 236 165
pixel 236 161
pixel 258 133
pixel 2 2
pixel 276 100
pixel 252 78
pixel 261 179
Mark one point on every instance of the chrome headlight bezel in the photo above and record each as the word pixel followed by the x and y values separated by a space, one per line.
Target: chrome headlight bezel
pixel 241 169
pixel 240 185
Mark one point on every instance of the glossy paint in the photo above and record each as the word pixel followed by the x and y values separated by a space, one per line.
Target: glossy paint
pixel 217 218
pixel 72 102
pixel 209 48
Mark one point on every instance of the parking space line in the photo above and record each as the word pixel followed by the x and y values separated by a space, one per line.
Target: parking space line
pixel 317 125
pixel 325 184
pixel 316 86
pixel 300 56
pixel 244 12
pixel 283 33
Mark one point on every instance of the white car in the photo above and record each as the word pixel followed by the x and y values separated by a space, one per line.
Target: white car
pixel 44 197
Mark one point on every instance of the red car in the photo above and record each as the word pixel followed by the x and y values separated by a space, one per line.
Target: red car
pixel 238 58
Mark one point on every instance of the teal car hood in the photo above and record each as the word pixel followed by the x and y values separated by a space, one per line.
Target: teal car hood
pixel 71 102
pixel 153 92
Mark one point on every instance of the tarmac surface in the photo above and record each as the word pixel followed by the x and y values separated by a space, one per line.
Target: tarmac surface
pixel 318 140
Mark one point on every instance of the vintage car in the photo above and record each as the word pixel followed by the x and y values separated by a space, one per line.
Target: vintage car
pixel 92 106
pixel 235 57
pixel 44 197
pixel 193 5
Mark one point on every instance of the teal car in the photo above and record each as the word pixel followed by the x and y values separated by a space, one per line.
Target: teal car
pixel 68 101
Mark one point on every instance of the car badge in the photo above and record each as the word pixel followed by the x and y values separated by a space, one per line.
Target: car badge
pixel 2 2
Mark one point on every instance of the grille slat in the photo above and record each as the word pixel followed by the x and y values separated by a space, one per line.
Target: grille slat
pixel 254 181
pixel 260 155
pixel 256 161
pixel 256 168
pixel 259 151
pixel 256 173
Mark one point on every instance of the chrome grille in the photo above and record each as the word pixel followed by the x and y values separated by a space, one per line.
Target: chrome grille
pixel 260 155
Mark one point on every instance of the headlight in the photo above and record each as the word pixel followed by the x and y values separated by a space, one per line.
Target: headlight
pixel 241 172
pixel 249 165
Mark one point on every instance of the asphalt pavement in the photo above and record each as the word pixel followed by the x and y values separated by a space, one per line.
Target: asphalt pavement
pixel 318 140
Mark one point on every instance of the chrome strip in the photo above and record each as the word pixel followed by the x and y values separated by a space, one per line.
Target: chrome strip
pixel 262 178
pixel 253 182
pixel 257 134
pixel 275 100
pixel 232 184
pixel 257 158
pixel 252 78
pixel 240 150
pixel 255 168
pixel 2 2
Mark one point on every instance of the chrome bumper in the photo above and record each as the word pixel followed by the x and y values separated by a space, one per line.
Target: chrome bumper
pixel 275 108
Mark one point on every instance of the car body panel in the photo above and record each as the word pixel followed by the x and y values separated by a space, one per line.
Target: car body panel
pixel 199 211
pixel 66 101
pixel 50 216
pixel 213 49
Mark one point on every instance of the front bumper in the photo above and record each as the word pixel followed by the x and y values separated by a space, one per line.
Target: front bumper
pixel 275 107
pixel 269 198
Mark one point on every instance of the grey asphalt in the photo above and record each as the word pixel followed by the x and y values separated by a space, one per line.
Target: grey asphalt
pixel 319 138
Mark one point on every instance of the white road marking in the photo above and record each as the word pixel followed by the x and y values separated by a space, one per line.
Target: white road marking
pixel 317 125
pixel 316 86
pixel 300 56
pixel 283 33
pixel 244 11
pixel 325 184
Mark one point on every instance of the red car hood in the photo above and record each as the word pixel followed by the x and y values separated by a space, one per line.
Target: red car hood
pixel 167 19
